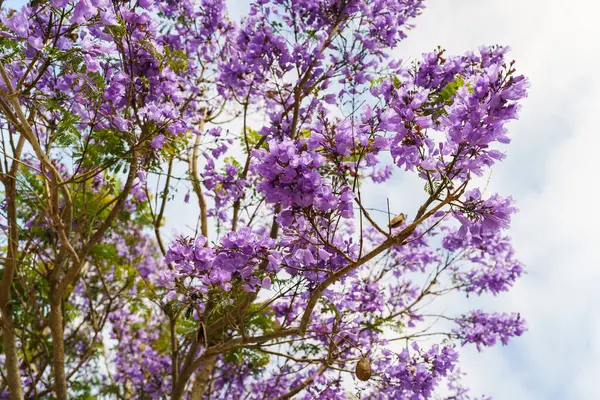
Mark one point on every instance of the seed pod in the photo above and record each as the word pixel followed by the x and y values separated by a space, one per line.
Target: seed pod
pixel 201 335
pixel 397 221
pixel 363 369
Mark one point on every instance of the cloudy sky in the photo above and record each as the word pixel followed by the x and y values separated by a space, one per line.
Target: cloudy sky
pixel 551 171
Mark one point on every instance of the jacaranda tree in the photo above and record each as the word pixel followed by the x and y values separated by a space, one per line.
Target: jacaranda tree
pixel 279 128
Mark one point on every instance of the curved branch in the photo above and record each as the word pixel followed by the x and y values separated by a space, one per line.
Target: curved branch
pixel 301 386
pixel 193 170
pixel 392 241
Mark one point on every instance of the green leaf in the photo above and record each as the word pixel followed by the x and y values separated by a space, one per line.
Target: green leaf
pixel 177 60
pixel 251 138
pixel 451 88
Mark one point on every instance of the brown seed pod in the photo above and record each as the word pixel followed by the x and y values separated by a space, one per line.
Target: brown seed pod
pixel 363 369
pixel 397 221
pixel 201 335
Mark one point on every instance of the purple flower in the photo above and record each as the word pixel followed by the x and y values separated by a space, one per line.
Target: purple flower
pixel 35 42
pixel 266 283
pixel 482 216
pixel 147 4
pixel 84 10
pixel 19 23
pixel 305 256
pixel 485 329
pixel 59 3
pixel 158 142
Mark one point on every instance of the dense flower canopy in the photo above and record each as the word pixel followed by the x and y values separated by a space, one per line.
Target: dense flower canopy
pixel 283 123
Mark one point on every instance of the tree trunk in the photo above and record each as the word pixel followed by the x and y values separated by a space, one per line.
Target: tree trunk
pixel 187 371
pixel 203 378
pixel 58 348
pixel 10 267
pixel 12 359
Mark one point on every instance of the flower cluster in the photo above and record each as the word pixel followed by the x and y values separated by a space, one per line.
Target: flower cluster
pixel 414 256
pixel 153 90
pixel 291 178
pixel 364 297
pixel 256 50
pixel 301 251
pixel 417 375
pixel 225 187
pixel 484 329
pixel 479 216
pixel 494 267
pixel 468 98
pixel 139 365
pixel 240 257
